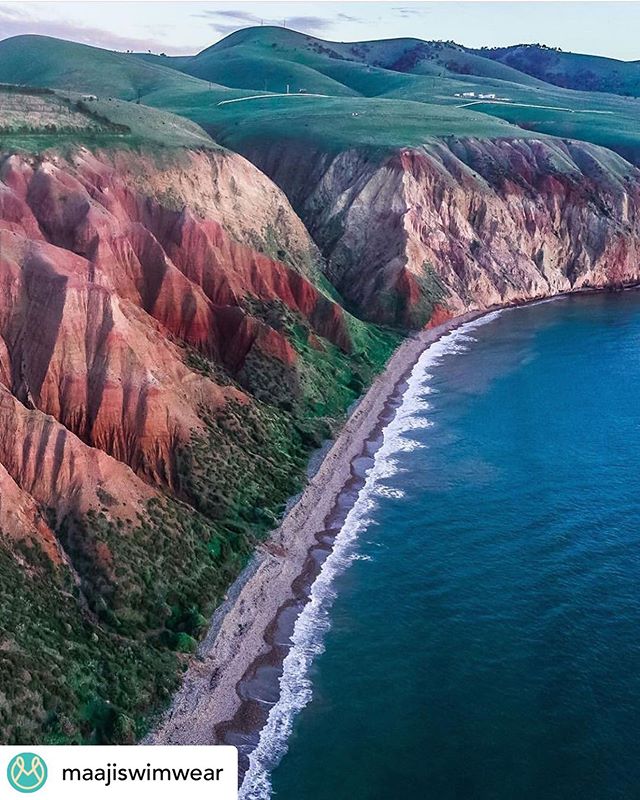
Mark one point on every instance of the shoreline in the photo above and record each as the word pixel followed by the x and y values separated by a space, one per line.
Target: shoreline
pixel 240 636
pixel 260 687
pixel 225 693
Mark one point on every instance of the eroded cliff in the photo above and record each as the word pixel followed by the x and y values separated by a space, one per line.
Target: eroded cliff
pixel 167 360
pixel 172 347
pixel 464 223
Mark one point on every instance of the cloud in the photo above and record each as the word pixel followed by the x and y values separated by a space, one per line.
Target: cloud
pixel 230 20
pixel 408 11
pixel 309 23
pixel 243 16
pixel 225 30
pixel 349 18
pixel 15 22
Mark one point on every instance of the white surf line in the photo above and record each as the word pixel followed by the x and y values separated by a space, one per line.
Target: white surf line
pixel 314 621
pixel 263 96
pixel 530 105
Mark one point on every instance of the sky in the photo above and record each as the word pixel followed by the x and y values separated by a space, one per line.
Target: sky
pixel 178 28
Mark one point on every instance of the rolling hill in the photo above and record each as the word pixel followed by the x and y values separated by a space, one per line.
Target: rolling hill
pixel 354 79
pixel 286 57
pixel 434 73
pixel 54 63
pixel 571 70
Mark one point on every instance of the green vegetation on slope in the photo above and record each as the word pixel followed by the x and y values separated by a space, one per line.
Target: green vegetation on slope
pixel 64 679
pixel 91 653
pixel 325 380
pixel 571 70
pixel 36 119
pixel 358 77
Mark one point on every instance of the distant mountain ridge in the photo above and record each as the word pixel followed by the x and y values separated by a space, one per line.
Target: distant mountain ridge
pixel 570 70
pixel 447 78
pixel 524 63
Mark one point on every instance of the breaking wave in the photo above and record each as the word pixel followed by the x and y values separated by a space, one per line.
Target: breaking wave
pixel 307 640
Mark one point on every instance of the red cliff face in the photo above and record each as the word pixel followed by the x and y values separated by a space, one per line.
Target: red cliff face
pixel 21 519
pixel 466 224
pixel 113 266
pixel 105 276
pixel 55 470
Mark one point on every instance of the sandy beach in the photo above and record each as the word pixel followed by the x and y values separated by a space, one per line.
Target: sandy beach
pixel 239 632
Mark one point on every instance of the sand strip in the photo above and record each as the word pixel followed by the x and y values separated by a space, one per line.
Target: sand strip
pixel 238 635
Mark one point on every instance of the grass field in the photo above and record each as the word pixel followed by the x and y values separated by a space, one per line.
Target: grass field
pixel 33 121
pixel 363 77
pixel 384 94
pixel 337 123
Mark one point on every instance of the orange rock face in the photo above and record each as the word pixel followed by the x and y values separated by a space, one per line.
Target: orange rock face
pixel 103 281
pixel 20 517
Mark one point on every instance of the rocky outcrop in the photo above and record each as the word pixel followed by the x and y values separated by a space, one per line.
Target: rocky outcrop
pixel 57 472
pixel 21 519
pixel 465 224
pixel 106 278
pixel 168 359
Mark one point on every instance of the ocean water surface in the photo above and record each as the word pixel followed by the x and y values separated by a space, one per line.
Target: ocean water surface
pixel 475 633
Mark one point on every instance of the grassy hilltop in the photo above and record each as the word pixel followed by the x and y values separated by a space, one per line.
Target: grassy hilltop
pixel 358 77
pixel 363 93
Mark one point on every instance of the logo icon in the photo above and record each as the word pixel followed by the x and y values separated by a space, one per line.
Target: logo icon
pixel 27 773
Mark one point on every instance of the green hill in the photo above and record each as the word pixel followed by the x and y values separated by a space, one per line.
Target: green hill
pixel 571 70
pixel 36 119
pixel 269 58
pixel 58 64
pixel 433 58
pixel 408 70
pixel 386 93
pixel 248 68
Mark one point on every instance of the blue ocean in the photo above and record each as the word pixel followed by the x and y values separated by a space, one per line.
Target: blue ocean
pixel 475 632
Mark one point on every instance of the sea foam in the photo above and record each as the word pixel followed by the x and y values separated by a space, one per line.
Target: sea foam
pixel 307 640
